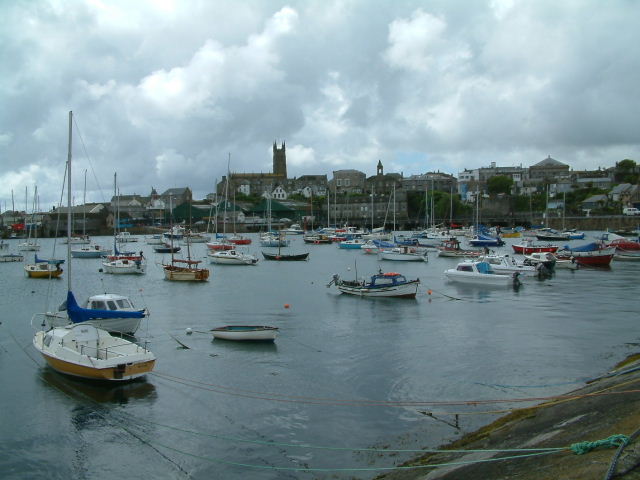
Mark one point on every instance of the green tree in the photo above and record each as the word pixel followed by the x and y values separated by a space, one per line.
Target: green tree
pixel 499 184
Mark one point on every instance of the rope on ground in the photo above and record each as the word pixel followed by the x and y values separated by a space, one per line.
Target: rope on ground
pixel 616 457
pixel 617 440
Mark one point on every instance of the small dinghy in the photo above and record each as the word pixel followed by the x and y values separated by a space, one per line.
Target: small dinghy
pixel 246 333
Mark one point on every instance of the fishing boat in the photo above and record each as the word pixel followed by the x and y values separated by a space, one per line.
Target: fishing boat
pixel 232 257
pixel 479 273
pixel 44 268
pixel 549 234
pixel 527 246
pixel 451 248
pixel 389 284
pixel 403 254
pixel 80 348
pixel 84 351
pixel 251 333
pixel 592 254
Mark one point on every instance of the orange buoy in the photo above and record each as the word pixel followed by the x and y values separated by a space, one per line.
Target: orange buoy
pixel 286 305
pixel 429 292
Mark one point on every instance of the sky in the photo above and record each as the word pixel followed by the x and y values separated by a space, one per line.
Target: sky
pixel 174 93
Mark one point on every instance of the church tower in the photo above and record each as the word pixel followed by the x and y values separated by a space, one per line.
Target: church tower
pixel 380 169
pixel 279 160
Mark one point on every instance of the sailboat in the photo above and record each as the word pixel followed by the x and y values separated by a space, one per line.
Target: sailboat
pixel 122 262
pixel 181 270
pixel 87 250
pixel 31 245
pixel 82 349
pixel 42 268
pixel 285 256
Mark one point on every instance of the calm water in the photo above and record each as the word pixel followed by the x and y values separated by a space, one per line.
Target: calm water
pixel 344 373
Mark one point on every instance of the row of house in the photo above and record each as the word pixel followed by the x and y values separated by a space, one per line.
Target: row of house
pixel 350 194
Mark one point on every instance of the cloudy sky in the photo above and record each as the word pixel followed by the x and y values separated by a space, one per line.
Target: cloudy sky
pixel 164 91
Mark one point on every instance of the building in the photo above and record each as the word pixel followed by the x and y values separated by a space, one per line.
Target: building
pixel 383 182
pixel 548 170
pixel 347 181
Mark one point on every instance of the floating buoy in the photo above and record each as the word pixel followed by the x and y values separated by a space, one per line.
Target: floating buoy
pixel 188 331
pixel 429 292
pixel 286 305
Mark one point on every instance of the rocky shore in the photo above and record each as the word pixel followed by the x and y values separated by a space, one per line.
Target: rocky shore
pixel 606 406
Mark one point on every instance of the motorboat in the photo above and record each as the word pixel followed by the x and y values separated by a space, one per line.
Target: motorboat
pixel 389 284
pixel 220 244
pixel 84 351
pixel 232 257
pixel 125 237
pixel 547 259
pixel 508 265
pixel 237 239
pixel 294 229
pixel 528 246
pixel 479 273
pixel 252 333
pixel 195 237
pixel 482 240
pixel 155 239
pixel 11 257
pixel 166 248
pixel 354 243
pixel 403 254
pixel 90 251
pixel 124 265
pixel 271 239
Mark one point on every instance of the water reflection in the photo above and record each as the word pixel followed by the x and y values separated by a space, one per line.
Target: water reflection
pixel 100 392
pixel 247 345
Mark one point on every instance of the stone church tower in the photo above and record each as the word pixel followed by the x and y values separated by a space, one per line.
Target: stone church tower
pixel 279 160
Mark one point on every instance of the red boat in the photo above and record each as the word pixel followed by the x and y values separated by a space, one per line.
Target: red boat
pixel 600 257
pixel 220 245
pixel 239 240
pixel 624 245
pixel 527 247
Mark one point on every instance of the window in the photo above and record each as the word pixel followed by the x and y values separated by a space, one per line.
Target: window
pixel 339 182
pixel 112 305
pixel 347 182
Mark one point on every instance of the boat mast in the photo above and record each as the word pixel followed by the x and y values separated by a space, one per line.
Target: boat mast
pixel 84 208
pixel 372 195
pixel 69 205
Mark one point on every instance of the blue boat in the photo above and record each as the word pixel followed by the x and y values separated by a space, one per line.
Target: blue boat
pixel 486 241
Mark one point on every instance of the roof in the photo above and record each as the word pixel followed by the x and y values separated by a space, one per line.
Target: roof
pixel 622 188
pixel 550 162
pixel 595 199
pixel 175 191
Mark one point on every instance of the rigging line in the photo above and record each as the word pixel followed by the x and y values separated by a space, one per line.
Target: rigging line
pixel 354 469
pixel 354 449
pixel 87 398
pixel 84 147
pixel 353 402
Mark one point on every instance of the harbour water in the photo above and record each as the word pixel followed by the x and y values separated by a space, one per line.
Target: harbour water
pixel 348 383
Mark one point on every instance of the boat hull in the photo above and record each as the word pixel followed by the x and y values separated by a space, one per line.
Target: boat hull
pixel 180 274
pixel 246 333
pixel 115 369
pixel 479 278
pixel 36 271
pixel 285 257
pixel 12 257
pixel 407 290
pixel 124 267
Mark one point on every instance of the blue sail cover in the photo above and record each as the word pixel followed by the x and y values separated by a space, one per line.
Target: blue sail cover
pixel 78 314
pixel 588 247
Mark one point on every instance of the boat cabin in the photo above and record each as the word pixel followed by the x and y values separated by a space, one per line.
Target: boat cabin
pixel 110 302
pixel 387 279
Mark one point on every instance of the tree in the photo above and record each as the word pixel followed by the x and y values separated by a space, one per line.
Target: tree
pixel 499 184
